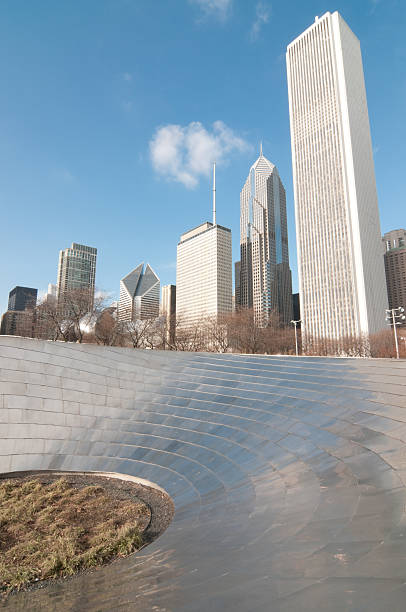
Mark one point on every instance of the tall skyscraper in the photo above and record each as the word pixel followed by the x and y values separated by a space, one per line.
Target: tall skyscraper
pixel 77 270
pixel 204 277
pixel 341 273
pixel 139 295
pixel 22 298
pixel 204 273
pixel 395 267
pixel 265 276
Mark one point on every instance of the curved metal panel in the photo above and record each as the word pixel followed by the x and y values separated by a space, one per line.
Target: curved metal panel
pixel 287 473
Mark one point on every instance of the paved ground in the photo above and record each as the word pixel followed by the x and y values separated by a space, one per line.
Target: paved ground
pixel 288 474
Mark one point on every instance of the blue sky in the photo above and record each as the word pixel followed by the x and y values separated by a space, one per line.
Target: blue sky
pixel 111 110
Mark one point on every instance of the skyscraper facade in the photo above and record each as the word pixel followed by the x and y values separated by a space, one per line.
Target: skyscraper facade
pixel 19 318
pixel 395 239
pixel 265 276
pixel 168 310
pixel 22 298
pixel 296 306
pixel 77 270
pixel 395 267
pixel 139 295
pixel 203 273
pixel 18 323
pixel 237 285
pixel 52 294
pixel 341 273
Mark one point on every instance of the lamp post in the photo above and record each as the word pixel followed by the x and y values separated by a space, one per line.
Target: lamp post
pixel 295 324
pixel 395 316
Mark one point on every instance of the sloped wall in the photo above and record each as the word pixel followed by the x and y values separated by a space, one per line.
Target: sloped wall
pixel 287 473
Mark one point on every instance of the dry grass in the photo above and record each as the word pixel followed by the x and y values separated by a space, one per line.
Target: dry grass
pixel 53 530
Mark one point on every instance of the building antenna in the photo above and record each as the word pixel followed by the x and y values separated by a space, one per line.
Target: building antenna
pixel 214 193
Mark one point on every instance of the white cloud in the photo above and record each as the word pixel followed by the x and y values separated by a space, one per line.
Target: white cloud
pixel 219 9
pixel 262 16
pixel 184 154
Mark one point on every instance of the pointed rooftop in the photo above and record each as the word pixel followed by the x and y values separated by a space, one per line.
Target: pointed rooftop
pixel 262 164
pixel 130 281
pixel 148 280
pixel 140 281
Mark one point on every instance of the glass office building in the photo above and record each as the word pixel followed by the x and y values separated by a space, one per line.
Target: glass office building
pixel 265 276
pixel 77 270
pixel 22 298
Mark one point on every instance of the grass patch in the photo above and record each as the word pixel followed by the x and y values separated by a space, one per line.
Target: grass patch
pixel 51 530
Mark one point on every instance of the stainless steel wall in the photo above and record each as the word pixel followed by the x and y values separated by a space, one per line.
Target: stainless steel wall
pixel 287 473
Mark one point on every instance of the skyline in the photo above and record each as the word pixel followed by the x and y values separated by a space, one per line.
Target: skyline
pixel 102 185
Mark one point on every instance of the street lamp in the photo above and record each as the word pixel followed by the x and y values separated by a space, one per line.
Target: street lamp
pixel 395 316
pixel 295 324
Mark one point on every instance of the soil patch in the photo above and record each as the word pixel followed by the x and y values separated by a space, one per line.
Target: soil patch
pixel 54 525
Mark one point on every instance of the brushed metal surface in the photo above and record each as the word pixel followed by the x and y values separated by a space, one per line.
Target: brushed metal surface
pixel 288 474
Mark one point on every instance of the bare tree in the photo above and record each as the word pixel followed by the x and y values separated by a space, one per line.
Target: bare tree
pixel 108 330
pixel 215 333
pixel 158 336
pixel 189 336
pixel 138 331
pixel 50 322
pixel 69 317
pixel 279 340
pixel 383 343
pixel 245 336
pixel 80 311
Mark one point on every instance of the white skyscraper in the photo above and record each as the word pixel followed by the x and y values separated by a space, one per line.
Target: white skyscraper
pixel 265 277
pixel 341 272
pixel 168 310
pixel 203 273
pixel 204 285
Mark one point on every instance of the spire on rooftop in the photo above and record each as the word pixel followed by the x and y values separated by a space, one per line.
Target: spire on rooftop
pixel 262 164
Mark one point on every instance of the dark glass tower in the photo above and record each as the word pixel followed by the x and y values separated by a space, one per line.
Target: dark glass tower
pixel 22 298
